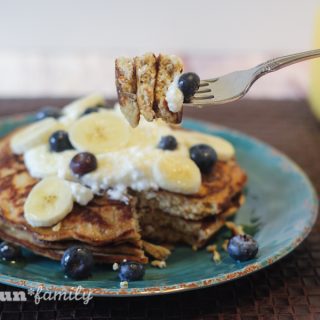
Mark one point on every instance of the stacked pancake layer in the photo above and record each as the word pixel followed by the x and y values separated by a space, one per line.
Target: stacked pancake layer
pixel 142 83
pixel 193 219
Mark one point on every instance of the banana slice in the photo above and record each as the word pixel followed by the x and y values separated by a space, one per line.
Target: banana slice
pixel 48 202
pixel 176 173
pixel 143 136
pixel 34 135
pixel 149 133
pixel 224 148
pixel 99 132
pixel 76 108
pixel 42 163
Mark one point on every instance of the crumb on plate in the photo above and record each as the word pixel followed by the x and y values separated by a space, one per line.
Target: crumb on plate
pixel 234 228
pixel 215 253
pixel 57 227
pixel 156 251
pixel 225 245
pixel 159 264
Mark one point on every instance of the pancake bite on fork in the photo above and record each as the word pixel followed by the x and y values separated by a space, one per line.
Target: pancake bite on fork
pixel 154 87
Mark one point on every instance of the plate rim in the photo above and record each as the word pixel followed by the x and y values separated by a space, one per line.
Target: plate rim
pixel 190 285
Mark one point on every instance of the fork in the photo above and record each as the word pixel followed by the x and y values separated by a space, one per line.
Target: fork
pixel 235 85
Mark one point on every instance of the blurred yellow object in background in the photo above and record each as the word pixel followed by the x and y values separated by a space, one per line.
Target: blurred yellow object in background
pixel 315 72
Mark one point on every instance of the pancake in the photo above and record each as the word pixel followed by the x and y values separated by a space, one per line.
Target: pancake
pixel 159 226
pixel 142 84
pixel 103 222
pixel 126 84
pixel 225 181
pixel 146 70
pixel 54 250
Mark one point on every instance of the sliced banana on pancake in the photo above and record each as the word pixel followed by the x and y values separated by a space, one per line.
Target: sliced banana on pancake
pixel 99 132
pixel 41 162
pixel 34 135
pixel 176 173
pixel 224 148
pixel 48 202
pixel 76 108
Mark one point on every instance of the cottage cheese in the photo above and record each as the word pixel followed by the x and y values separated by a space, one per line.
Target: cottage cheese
pixel 129 167
pixel 174 97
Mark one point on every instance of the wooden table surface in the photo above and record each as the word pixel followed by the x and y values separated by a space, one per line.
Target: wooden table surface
pixel 289 289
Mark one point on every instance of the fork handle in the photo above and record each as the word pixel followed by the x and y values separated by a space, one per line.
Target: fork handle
pixel 281 62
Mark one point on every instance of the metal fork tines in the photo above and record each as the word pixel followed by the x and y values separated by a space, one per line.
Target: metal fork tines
pixel 204 93
pixel 235 85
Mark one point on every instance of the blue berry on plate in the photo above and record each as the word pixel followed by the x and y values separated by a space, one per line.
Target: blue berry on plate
pixel 204 156
pixel 59 141
pixel 131 271
pixel 77 262
pixel 9 252
pixel 83 163
pixel 168 143
pixel 242 247
pixel 48 112
pixel 188 83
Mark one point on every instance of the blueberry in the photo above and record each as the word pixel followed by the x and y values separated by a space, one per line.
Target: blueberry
pixel 48 112
pixel 9 252
pixel 83 163
pixel 59 141
pixel 188 83
pixel 90 110
pixel 204 156
pixel 242 247
pixel 131 271
pixel 167 143
pixel 77 262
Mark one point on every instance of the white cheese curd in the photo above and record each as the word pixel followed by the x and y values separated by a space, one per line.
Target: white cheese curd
pixel 82 195
pixel 119 170
pixel 119 192
pixel 130 168
pixel 174 96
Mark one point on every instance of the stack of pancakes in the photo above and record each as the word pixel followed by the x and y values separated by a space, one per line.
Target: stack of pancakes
pixel 113 230
pixel 142 83
pixel 193 219
pixel 108 228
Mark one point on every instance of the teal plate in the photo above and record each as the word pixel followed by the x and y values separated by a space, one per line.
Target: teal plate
pixel 280 210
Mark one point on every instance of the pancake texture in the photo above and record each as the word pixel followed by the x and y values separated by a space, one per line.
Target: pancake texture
pixel 146 70
pixel 126 83
pixel 225 181
pixel 160 226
